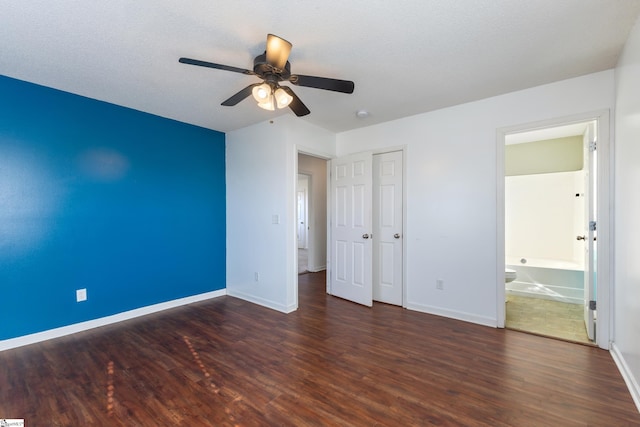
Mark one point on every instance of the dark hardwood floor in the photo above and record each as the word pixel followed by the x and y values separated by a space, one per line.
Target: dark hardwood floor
pixel 226 362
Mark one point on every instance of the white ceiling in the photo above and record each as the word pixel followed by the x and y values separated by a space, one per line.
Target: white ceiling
pixel 405 57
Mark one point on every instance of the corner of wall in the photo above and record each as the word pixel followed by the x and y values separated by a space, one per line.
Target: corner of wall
pixel 627 374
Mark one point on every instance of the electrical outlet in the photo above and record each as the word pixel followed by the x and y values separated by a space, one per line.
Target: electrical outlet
pixel 256 276
pixel 81 295
pixel 440 284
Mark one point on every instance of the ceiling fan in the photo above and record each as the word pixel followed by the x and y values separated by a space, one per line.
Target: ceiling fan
pixel 273 67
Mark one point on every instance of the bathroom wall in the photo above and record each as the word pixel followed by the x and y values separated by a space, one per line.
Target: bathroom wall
pixel 544 201
pixel 551 155
pixel 543 216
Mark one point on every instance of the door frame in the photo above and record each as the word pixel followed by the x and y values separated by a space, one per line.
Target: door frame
pixel 403 149
pixel 605 193
pixel 589 248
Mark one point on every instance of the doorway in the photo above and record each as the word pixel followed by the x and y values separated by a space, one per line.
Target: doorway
pixel 553 204
pixel 311 208
pixel 303 219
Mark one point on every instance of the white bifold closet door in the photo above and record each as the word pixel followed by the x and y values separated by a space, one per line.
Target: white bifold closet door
pixel 351 220
pixel 366 228
pixel 387 227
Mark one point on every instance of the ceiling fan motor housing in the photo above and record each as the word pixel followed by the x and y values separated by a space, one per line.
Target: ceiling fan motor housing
pixel 265 70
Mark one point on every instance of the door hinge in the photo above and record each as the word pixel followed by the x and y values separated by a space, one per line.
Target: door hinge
pixel 593 146
pixel 592 226
pixel 592 305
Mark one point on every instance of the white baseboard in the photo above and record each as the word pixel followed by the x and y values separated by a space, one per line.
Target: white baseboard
pixel 452 314
pixel 627 375
pixel 261 301
pixel 317 269
pixel 103 321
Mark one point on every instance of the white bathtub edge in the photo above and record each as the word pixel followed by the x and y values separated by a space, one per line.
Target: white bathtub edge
pixel 566 295
pixel 627 375
pixel 545 263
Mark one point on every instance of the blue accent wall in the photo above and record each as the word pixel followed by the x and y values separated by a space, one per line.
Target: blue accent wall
pixel 128 205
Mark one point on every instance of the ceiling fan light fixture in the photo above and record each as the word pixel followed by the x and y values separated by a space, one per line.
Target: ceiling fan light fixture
pixel 269 104
pixel 283 99
pixel 261 93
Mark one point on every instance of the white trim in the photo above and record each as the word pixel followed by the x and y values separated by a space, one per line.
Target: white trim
pixel 627 374
pixel 405 223
pixel 329 207
pixel 291 261
pixel 103 321
pixel 263 302
pixel 453 314
pixel 604 215
pixel 392 149
pixel 317 269
pixel 501 309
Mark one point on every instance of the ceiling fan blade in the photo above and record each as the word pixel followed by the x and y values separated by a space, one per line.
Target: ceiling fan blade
pixel 278 50
pixel 344 86
pixel 296 105
pixel 244 93
pixel 214 65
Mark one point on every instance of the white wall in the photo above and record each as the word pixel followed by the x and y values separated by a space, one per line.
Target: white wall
pixel 317 168
pixel 261 173
pixel 451 188
pixel 543 216
pixel 627 214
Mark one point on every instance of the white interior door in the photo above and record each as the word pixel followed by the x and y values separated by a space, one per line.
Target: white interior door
pixel 589 234
pixel 351 221
pixel 303 202
pixel 387 228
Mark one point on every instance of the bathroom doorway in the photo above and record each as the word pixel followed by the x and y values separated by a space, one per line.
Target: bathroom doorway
pixel 550 223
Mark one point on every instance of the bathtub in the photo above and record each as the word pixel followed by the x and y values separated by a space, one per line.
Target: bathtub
pixel 548 279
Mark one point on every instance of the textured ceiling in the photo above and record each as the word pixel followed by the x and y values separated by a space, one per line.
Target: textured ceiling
pixel 405 57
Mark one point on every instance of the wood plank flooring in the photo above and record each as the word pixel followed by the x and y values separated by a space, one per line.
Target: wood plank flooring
pixel 227 362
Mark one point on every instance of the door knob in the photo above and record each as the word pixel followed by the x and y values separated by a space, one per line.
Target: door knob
pixel 581 238
pixel 396 236
pixel 365 236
